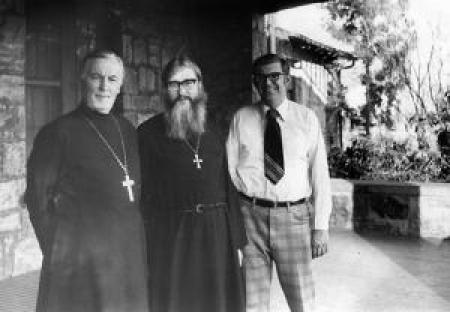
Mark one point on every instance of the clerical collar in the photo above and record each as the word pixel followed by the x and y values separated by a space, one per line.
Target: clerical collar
pixel 282 109
pixel 93 113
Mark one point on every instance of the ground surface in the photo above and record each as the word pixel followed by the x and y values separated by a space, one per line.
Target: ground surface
pixel 360 274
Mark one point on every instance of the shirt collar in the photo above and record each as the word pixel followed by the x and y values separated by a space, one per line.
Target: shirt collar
pixel 282 109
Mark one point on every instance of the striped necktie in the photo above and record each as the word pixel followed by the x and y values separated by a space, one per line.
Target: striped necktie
pixel 273 148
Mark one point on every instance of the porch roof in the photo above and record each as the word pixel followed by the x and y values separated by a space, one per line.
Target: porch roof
pixel 225 6
pixel 318 52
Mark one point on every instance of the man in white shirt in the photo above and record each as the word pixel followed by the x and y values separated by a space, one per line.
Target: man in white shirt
pixel 277 160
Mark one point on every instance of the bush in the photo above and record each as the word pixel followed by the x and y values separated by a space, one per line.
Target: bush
pixel 386 159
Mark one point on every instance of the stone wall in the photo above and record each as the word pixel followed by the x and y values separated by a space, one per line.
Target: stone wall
pixel 148 44
pixel 222 51
pixel 407 209
pixel 15 229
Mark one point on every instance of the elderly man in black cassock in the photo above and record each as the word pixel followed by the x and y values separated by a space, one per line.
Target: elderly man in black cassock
pixel 82 185
pixel 194 227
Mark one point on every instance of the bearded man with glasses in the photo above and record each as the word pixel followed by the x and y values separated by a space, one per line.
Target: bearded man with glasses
pixel 277 160
pixel 194 226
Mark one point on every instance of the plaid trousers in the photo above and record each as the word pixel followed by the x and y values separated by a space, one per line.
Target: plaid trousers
pixel 283 236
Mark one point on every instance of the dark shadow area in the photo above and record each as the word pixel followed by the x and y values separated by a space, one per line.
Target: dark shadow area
pixel 19 293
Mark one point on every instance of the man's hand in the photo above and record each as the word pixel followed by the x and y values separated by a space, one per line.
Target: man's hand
pixel 319 243
pixel 240 256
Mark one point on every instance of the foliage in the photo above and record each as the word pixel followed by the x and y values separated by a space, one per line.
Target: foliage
pixel 386 159
pixel 381 36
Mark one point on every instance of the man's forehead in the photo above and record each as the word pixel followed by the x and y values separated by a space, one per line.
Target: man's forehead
pixel 108 65
pixel 183 73
pixel 274 67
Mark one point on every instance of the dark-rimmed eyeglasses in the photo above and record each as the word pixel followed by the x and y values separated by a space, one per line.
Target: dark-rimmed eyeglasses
pixel 187 84
pixel 273 77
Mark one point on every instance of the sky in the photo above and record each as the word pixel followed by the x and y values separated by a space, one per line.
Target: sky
pixel 429 16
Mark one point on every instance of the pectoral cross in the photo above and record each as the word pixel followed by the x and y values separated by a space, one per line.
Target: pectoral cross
pixel 128 183
pixel 198 161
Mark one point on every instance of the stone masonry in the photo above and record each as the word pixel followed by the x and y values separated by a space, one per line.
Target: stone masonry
pixel 146 47
pixel 15 229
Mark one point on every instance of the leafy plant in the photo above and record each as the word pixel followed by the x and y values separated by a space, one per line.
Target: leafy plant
pixel 386 159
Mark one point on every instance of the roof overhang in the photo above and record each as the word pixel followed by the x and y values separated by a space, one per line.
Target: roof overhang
pixel 232 7
pixel 185 7
pixel 270 6
pixel 319 53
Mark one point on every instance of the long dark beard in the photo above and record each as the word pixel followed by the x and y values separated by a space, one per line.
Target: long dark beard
pixel 186 117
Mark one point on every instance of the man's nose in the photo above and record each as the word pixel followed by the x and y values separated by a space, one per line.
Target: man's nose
pixel 183 91
pixel 103 84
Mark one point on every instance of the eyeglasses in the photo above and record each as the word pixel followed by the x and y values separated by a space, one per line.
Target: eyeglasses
pixel 187 84
pixel 273 77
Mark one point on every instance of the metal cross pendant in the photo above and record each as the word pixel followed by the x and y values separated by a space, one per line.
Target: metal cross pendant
pixel 197 161
pixel 128 183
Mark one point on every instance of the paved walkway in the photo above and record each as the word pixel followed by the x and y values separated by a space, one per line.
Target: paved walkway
pixel 359 274
pixel 379 274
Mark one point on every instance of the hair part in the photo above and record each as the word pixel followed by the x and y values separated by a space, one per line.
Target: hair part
pixel 178 62
pixel 269 59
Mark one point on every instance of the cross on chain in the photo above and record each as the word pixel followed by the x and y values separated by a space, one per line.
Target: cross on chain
pixel 128 183
pixel 198 161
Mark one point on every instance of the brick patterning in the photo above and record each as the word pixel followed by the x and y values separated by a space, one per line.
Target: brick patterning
pixel 144 50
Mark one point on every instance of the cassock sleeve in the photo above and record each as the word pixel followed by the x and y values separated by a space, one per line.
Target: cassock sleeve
pixel 42 173
pixel 236 219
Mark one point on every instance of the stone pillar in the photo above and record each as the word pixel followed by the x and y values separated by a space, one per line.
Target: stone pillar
pixel 14 224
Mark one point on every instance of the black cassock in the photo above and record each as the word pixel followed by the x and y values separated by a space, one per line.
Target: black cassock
pixel 90 233
pixel 193 262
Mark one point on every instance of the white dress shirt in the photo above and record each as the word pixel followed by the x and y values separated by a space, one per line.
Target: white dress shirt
pixel 305 162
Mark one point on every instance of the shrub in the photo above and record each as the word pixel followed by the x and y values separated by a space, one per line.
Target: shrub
pixel 386 159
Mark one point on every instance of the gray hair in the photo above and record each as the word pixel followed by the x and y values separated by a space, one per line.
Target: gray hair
pixel 100 54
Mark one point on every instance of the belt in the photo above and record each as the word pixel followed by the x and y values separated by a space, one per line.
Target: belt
pixel 202 208
pixel 272 204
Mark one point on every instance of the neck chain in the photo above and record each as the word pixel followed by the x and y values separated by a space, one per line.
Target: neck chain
pixel 128 183
pixel 197 161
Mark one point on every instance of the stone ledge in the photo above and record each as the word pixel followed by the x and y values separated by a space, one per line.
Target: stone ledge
pixel 413 209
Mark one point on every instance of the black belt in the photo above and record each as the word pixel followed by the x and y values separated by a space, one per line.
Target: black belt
pixel 272 204
pixel 202 208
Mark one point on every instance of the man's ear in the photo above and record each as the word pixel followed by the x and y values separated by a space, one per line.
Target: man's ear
pixel 254 81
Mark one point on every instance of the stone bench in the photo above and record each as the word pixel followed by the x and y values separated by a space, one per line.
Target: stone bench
pixel 411 209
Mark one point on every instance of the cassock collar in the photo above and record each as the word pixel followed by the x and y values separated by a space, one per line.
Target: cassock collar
pixel 92 113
